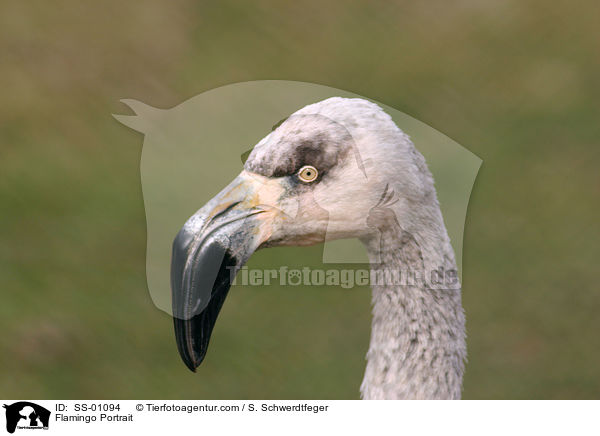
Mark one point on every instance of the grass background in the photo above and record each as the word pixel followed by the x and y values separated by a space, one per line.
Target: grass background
pixel 514 82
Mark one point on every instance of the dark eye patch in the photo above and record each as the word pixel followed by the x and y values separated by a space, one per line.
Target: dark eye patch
pixel 308 153
pixel 315 152
pixel 304 140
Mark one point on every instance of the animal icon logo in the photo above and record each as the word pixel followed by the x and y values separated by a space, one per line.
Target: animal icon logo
pixel 26 415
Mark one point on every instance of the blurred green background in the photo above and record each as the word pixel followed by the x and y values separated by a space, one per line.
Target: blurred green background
pixel 514 82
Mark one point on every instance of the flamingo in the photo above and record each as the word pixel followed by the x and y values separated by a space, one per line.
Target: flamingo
pixel 339 168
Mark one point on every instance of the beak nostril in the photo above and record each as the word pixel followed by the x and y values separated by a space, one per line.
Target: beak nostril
pixel 227 209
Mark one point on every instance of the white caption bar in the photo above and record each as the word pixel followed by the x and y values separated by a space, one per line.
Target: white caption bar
pixel 157 417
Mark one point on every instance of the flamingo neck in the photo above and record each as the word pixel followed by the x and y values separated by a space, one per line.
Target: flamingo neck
pixel 417 348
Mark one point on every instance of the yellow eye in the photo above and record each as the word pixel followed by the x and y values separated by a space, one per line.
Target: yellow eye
pixel 308 174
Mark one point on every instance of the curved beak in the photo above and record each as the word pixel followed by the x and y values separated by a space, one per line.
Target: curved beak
pixel 209 250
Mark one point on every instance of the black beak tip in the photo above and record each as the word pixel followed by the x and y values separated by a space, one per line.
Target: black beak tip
pixel 191 364
pixel 186 350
